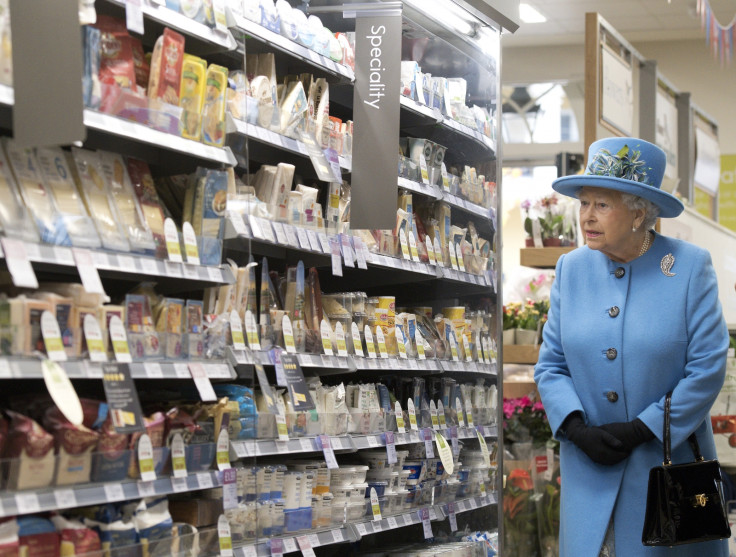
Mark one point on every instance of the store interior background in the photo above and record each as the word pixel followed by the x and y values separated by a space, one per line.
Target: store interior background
pixel 668 32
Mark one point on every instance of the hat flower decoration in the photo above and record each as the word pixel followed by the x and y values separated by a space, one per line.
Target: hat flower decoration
pixel 624 164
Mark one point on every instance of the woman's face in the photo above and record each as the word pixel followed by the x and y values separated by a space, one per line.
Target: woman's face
pixel 607 222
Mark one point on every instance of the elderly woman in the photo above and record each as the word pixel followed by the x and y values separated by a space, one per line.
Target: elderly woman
pixel 633 315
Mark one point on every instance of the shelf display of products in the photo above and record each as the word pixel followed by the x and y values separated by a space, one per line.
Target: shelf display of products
pixel 253 375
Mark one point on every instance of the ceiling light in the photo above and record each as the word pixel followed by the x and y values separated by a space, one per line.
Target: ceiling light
pixel 529 14
pixel 444 13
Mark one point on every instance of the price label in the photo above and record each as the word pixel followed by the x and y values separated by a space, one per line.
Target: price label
pixel 361 529
pixel 251 330
pixel 438 252
pixel 179 485
pixel 178 456
pixel 441 415
pixel 325 332
pixel 289 545
pixel 146 489
pixel 427 436
pixel 328 452
pixel 224 537
pixel 400 342
pixel 381 342
pixel 404 245
pixel 337 536
pixel 484 449
pixel 65 498
pixel 276 547
pixel 459 411
pixel 190 243
pixel 255 227
pixel 236 331
pixel 113 493
pixel 426 525
pixel 173 246
pixel 88 271
pixel 303 238
pixel 452 516
pixel 134 16
pixel 93 336
pixel 357 341
pixel 421 354
pixel 313 540
pixel 412 415
pixel 202 382
pixel 453 256
pixel 281 428
pixel 413 246
pixel 62 391
pixel 336 257
pixel 369 344
pixel 392 523
pixel 145 458
pixel 27 503
pixel 342 349
pixel 400 427
pixel 119 340
pixel 306 444
pixel 52 337
pixel 204 480
pixel 390 447
pixel 229 489
pixel 468 413
pixel 445 452
pixel 18 263
pixel 460 258
pixel 445 178
pixel 291 238
pixel 288 335
pixel 466 349
pixel 281 236
pixel 237 222
pixel 347 250
pixel 433 415
pixel 313 241
pixel 359 248
pixel 453 347
pixel 430 250
pixel 423 169
pixel 375 507
pixel 223 450
pixel 305 546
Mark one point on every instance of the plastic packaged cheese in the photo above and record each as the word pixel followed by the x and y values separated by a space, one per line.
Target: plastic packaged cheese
pixel 38 199
pixel 13 213
pixel 151 207
pixel 59 179
pixel 126 202
pixel 191 95
pixel 213 111
pixel 166 65
pixel 99 204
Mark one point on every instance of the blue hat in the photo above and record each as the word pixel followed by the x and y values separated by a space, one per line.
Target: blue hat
pixel 628 165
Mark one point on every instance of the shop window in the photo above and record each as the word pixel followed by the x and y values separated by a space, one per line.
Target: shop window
pixel 538 113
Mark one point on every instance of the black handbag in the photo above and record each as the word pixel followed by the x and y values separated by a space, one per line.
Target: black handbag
pixel 684 501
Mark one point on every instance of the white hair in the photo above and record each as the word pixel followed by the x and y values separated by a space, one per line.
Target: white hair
pixel 635 202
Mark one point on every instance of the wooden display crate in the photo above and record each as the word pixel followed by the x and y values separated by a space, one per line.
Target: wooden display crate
pixel 520 353
pixel 518 389
pixel 542 257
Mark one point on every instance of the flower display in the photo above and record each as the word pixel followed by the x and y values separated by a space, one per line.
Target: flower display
pixel 520 515
pixel 511 315
pixel 555 222
pixel 525 420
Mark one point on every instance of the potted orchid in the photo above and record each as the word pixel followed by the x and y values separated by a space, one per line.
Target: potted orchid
pixel 510 322
pixel 549 220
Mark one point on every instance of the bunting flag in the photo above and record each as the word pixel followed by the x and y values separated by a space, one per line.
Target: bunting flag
pixel 719 38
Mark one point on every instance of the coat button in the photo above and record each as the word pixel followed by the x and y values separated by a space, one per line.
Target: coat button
pixel 611 353
pixel 620 272
pixel 612 396
pixel 614 311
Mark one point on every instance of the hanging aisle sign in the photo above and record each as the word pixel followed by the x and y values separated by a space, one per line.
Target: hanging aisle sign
pixel 376 112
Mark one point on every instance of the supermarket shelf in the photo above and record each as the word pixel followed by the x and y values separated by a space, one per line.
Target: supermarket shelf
pixel 434 192
pixel 244 29
pixel 372 441
pixel 261 447
pixel 470 504
pixel 274 144
pixel 30 368
pixel 42 500
pixel 128 266
pixel 134 139
pixel 520 353
pixel 444 130
pixel 419 367
pixel 339 534
pixel 542 257
pixel 200 39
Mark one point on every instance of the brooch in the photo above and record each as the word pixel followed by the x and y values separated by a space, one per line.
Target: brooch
pixel 668 261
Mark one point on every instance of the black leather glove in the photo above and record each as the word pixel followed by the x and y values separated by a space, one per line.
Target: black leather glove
pixel 631 434
pixel 600 446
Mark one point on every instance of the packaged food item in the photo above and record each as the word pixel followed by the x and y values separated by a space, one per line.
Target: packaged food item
pixel 210 203
pixel 194 316
pixel 150 204
pixel 75 537
pixel 99 203
pixel 142 336
pixel 192 95
pixel 114 529
pixel 74 446
pixel 9 538
pixel 213 111
pixel 126 202
pixel 37 537
pixel 110 459
pixel 155 426
pixel 30 454
pixel 14 218
pixel 153 523
pixel 37 197
pixel 116 54
pixel 166 64
pixel 59 179
pixel 91 77
pixel 170 323
pixel 141 65
pixel 198 453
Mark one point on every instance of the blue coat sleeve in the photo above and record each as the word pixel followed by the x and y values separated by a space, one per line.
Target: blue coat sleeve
pixel 705 368
pixel 551 373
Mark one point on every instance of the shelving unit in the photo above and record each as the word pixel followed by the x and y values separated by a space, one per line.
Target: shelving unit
pixel 282 243
pixel 543 258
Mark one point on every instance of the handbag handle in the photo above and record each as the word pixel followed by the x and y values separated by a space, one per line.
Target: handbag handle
pixel 667 441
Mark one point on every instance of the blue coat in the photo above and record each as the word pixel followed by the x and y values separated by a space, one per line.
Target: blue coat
pixel 668 334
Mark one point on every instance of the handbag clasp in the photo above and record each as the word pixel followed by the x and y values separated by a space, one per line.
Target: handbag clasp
pixel 699 500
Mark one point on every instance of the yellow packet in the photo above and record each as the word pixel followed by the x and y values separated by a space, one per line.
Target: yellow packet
pixel 191 95
pixel 213 113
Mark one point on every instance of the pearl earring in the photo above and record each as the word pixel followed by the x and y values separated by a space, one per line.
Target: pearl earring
pixel 633 228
